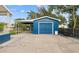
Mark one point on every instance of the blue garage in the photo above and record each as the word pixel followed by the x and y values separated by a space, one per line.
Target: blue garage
pixel 45 25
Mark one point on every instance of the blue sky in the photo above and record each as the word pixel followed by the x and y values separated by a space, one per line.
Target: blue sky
pixel 19 11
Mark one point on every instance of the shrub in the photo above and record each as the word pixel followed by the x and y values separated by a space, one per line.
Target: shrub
pixel 1 26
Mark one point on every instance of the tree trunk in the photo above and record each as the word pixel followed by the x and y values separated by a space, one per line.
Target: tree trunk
pixel 74 18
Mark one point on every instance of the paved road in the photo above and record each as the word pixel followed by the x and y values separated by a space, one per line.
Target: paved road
pixel 30 43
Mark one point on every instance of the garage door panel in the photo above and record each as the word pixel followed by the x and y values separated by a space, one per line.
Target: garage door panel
pixel 45 28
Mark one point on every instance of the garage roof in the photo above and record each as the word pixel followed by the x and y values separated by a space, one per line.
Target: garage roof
pixel 31 21
pixel 48 17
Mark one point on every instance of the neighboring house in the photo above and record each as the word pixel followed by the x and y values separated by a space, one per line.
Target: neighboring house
pixel 44 25
pixel 4 36
pixel 4 11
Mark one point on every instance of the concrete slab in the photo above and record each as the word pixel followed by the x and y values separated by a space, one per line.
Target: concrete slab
pixel 31 43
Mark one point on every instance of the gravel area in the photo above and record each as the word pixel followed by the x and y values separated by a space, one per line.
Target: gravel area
pixel 42 43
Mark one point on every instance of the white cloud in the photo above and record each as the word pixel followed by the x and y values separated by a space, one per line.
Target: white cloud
pixel 14 9
pixel 22 11
pixel 39 6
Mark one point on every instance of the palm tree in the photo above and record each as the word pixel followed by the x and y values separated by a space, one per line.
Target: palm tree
pixel 42 11
pixel 46 12
pixel 31 14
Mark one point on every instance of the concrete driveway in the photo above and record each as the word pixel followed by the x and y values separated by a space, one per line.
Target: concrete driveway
pixel 31 43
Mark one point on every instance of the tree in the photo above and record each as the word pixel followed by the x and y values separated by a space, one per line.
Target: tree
pixel 31 14
pixel 77 24
pixel 46 12
pixel 71 9
pixel 42 11
pixel 71 23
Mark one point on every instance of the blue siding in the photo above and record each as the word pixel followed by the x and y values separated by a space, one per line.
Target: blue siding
pixel 35 27
pixel 55 25
pixel 4 38
pixel 45 28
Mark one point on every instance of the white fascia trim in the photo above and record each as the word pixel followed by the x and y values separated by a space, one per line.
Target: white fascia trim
pixel 7 9
pixel 25 20
pixel 48 17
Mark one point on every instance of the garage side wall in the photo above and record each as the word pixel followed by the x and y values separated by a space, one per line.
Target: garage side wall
pixel 56 25
pixel 35 27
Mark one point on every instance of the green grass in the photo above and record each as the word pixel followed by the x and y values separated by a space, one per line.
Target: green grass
pixel 1 47
pixel 13 32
